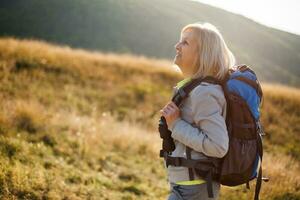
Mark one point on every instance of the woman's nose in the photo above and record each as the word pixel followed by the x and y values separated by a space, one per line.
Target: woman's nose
pixel 177 45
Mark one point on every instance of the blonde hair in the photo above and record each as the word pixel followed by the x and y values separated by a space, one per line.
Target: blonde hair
pixel 214 58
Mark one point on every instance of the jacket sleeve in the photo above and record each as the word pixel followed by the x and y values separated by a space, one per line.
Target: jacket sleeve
pixel 209 135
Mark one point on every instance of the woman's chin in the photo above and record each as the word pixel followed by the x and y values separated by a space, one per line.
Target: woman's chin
pixel 176 61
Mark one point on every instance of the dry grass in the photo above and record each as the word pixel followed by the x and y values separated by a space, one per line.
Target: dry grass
pixel 82 125
pixel 86 61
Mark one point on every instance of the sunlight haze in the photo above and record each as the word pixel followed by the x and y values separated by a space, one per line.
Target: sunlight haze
pixel 278 14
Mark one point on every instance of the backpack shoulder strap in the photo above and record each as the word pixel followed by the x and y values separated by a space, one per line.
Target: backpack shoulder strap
pixel 184 91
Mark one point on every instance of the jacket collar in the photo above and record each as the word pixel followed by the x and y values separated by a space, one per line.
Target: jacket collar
pixel 183 82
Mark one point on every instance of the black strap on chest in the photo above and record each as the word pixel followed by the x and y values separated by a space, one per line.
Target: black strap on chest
pixel 184 91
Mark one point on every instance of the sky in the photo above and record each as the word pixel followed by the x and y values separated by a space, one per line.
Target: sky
pixel 279 14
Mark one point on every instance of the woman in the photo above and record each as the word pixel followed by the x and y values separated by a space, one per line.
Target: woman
pixel 199 123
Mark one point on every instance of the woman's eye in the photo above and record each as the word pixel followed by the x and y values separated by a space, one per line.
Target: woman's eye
pixel 183 42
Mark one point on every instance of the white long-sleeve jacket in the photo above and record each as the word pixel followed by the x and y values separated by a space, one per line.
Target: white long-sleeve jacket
pixel 201 126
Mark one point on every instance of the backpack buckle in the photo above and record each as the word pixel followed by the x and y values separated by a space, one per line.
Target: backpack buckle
pixel 260 128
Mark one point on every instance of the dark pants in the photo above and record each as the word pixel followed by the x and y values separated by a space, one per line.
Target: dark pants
pixel 193 192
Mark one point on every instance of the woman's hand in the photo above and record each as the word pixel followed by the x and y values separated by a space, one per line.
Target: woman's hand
pixel 171 112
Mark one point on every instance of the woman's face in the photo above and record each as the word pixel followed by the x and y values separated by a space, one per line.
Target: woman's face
pixel 187 53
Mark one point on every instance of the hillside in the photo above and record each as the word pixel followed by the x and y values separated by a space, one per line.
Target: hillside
pixel 65 114
pixel 151 28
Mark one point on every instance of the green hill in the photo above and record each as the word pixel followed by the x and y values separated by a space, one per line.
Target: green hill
pixel 151 28
pixel 82 125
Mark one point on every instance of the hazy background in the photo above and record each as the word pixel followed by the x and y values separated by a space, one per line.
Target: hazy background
pixel 278 14
pixel 152 28
pixel 82 83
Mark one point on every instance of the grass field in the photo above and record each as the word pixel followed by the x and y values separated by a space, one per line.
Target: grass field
pixel 82 125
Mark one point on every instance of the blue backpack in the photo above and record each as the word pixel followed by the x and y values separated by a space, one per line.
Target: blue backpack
pixel 243 161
